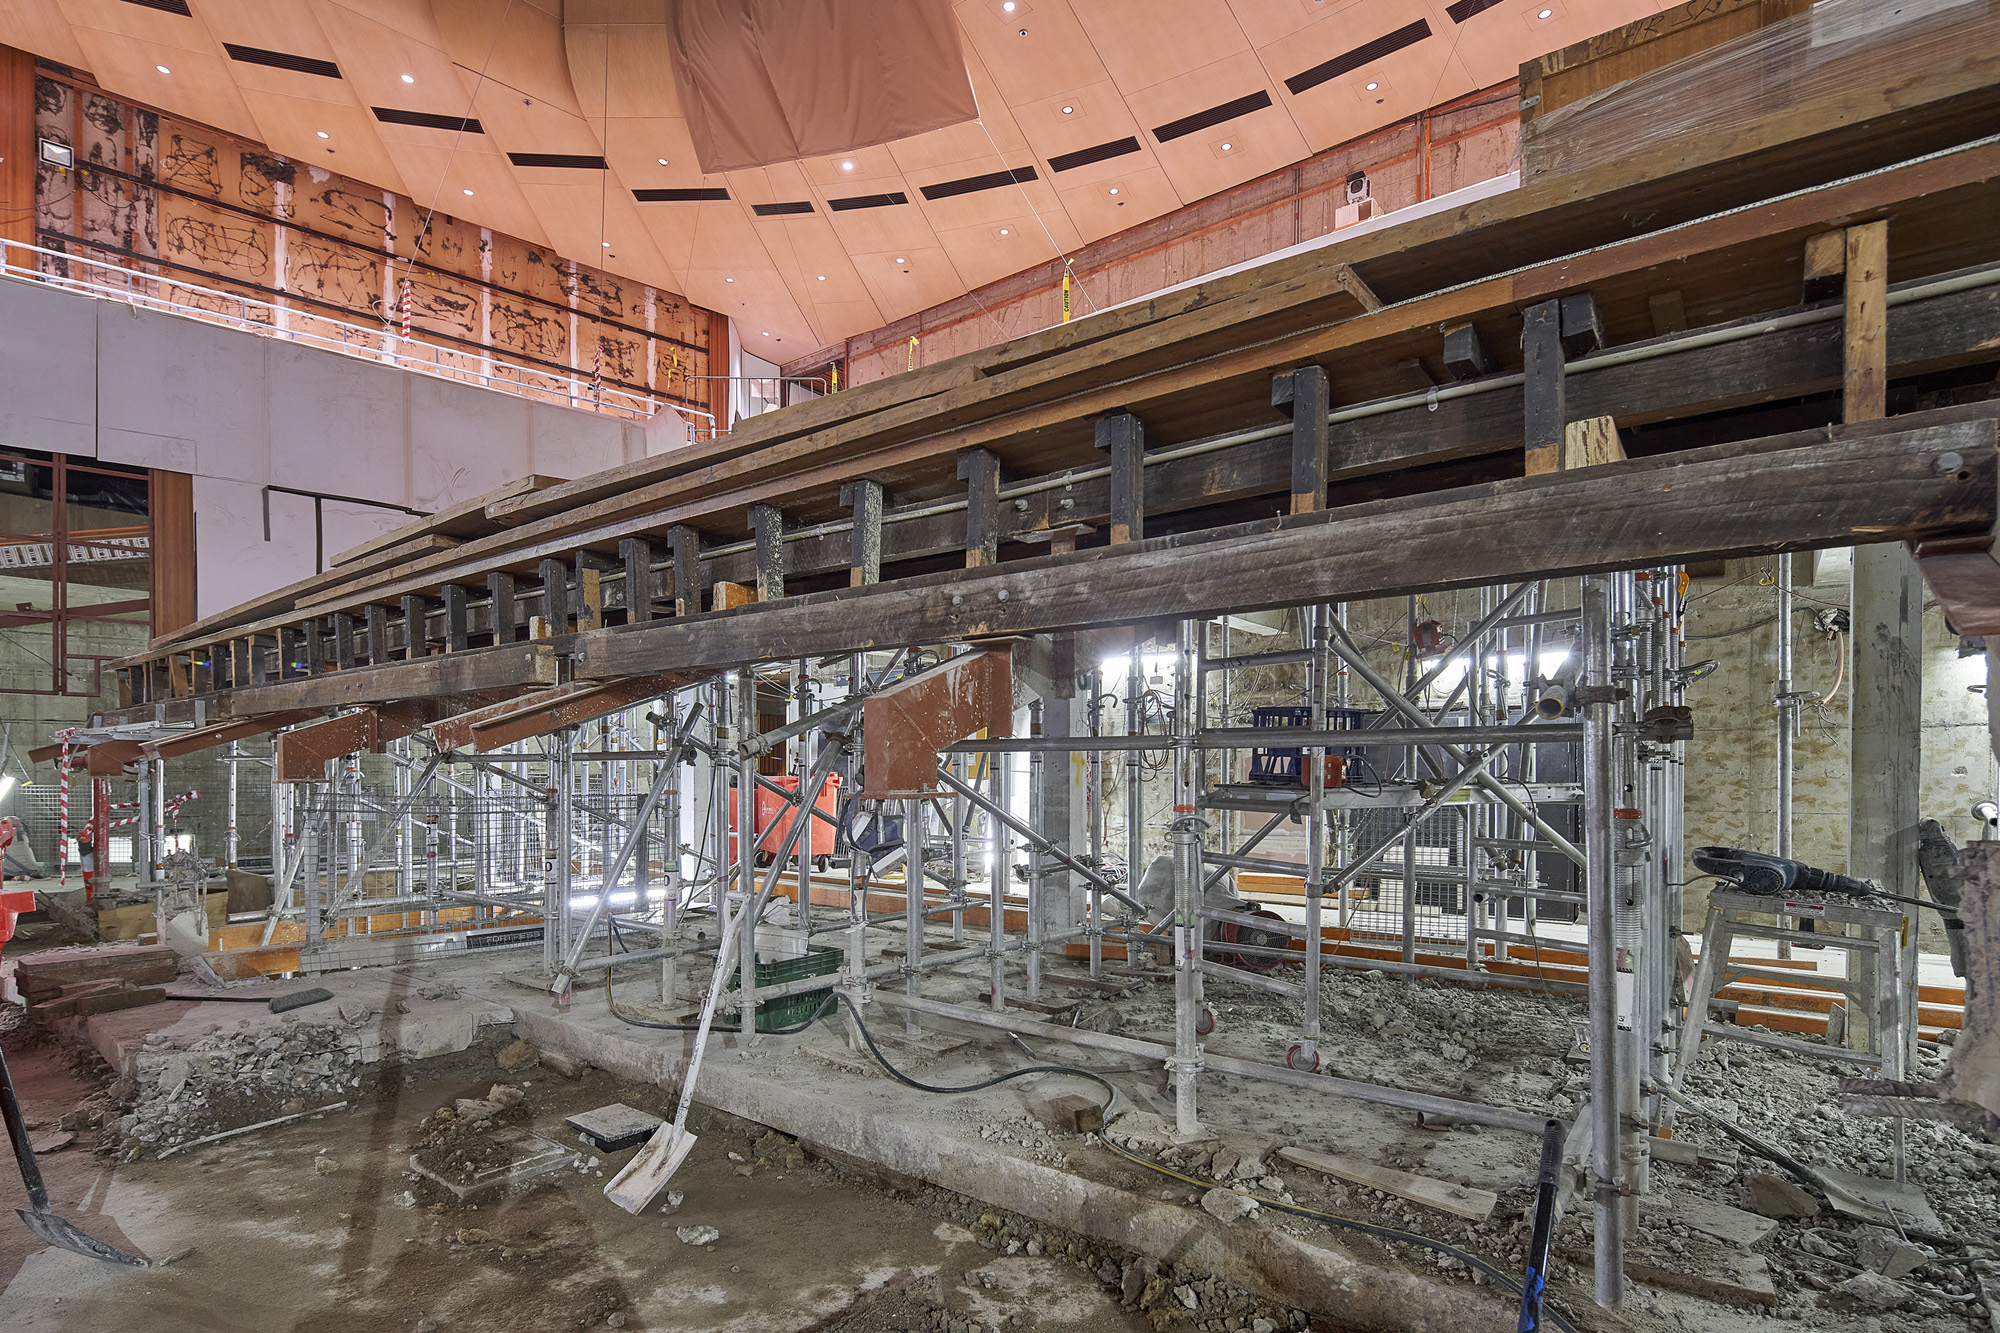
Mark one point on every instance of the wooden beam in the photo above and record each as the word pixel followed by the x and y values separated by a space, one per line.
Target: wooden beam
pixel 1542 387
pixel 636 554
pixel 979 469
pixel 555 595
pixel 1465 356
pixel 689 580
pixel 506 611
pixel 864 500
pixel 1866 393
pixel 767 525
pixel 301 754
pixel 510 666
pixel 1825 266
pixel 1123 436
pixel 1815 488
pixel 1305 395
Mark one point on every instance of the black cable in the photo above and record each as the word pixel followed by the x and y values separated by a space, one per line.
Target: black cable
pixel 1385 1233
pixel 897 1074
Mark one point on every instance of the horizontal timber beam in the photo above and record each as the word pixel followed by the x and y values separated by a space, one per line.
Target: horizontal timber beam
pixel 1810 489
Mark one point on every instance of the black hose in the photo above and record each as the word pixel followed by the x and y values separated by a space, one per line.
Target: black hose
pixel 624 1017
pixel 1386 1233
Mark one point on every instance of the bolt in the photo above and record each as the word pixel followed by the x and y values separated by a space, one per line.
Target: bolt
pixel 1948 463
pixel 1003 594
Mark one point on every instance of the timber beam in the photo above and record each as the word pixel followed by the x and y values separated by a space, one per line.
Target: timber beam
pixel 221 733
pixel 1874 482
pixel 539 714
pixel 301 754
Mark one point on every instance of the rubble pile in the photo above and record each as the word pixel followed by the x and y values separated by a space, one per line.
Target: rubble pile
pixel 186 1091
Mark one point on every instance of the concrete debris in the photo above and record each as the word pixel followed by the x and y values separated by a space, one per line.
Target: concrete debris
pixel 228 1079
pixel 354 1012
pixel 675 1198
pixel 1227 1206
pixel 1872 1291
pixel 1775 1196
pixel 698 1235
pixel 518 1055
pixel 55 1141
pixel 427 1325
pixel 406 1200
pixel 569 1066
pixel 175 1257
pixel 1888 1254
pixel 324 1165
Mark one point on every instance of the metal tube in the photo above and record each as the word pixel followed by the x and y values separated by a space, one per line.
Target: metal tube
pixel 1230 738
pixel 913 907
pixel 1186 1065
pixel 1599 870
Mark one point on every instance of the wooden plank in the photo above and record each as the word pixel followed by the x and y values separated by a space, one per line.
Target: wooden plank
pixel 538 716
pixel 1814 488
pixel 1866 392
pixel 509 666
pixel 1467 1201
pixel 54 969
pixel 1542 388
pixel 171 566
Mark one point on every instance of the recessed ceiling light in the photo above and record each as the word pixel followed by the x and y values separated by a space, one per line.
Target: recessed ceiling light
pixel 409 78
pixel 322 134
pixel 1227 146
pixel 605 244
pixel 1024 32
pixel 1373 86
pixel 468 192
pixel 163 69
pixel 1546 13
pixel 847 166
pixel 822 277
pixel 729 279
pixel 1003 231
pixel 664 162
pixel 901 260
pixel 1008 7
pixel 1069 111
pixel 767 333
pixel 1114 189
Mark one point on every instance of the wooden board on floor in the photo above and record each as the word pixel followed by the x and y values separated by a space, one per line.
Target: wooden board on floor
pixel 1467 1201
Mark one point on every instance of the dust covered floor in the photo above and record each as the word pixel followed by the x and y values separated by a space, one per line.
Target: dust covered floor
pixel 319 1225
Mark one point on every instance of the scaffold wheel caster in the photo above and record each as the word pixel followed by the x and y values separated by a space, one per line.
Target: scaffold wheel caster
pixel 1301 1059
pixel 1204 1022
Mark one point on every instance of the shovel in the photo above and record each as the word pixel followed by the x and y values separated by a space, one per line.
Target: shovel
pixel 40 1219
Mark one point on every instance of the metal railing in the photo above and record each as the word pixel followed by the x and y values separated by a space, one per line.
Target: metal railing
pixel 381 344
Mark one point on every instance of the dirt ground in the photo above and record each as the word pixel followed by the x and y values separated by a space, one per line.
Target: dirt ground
pixel 319 1226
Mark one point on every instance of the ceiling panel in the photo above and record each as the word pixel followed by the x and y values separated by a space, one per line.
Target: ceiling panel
pixel 1146 42
pixel 1080 85
pixel 1259 139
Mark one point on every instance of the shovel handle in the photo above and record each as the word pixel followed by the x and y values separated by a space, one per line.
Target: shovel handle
pixel 17 1130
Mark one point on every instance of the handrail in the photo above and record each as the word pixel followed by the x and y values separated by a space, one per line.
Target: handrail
pixel 353 341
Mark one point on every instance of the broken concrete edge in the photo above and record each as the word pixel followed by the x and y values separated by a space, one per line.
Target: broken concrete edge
pixel 1363 1294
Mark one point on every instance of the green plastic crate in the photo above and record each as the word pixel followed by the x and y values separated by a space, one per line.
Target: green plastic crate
pixel 789 1010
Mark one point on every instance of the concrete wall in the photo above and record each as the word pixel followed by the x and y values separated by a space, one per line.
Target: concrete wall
pixel 244 413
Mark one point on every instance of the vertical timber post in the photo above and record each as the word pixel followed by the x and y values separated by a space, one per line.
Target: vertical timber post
pixel 1305 395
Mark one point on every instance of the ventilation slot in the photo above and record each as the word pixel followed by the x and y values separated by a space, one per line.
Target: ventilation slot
pixel 681 196
pixel 868 201
pixel 1215 115
pixel 164 6
pixel 992 180
pixel 781 210
pixel 251 55
pixel 1461 10
pixel 561 161
pixel 1359 56
pixel 388 115
pixel 1103 152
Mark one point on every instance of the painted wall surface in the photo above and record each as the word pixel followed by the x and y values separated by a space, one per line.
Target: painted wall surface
pixel 255 419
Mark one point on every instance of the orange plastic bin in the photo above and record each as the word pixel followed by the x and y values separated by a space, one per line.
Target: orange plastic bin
pixel 774 819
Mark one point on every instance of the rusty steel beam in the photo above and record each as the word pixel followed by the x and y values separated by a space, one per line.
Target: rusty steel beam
pixel 538 715
pixel 904 726
pixel 221 733
pixel 107 759
pixel 301 754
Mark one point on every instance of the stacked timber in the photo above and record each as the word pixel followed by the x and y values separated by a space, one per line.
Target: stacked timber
pixel 76 983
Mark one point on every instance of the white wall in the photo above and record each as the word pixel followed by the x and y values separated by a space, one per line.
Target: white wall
pixel 245 413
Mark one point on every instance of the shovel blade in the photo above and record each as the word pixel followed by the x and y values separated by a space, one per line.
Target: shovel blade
pixel 64 1236
pixel 650 1168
